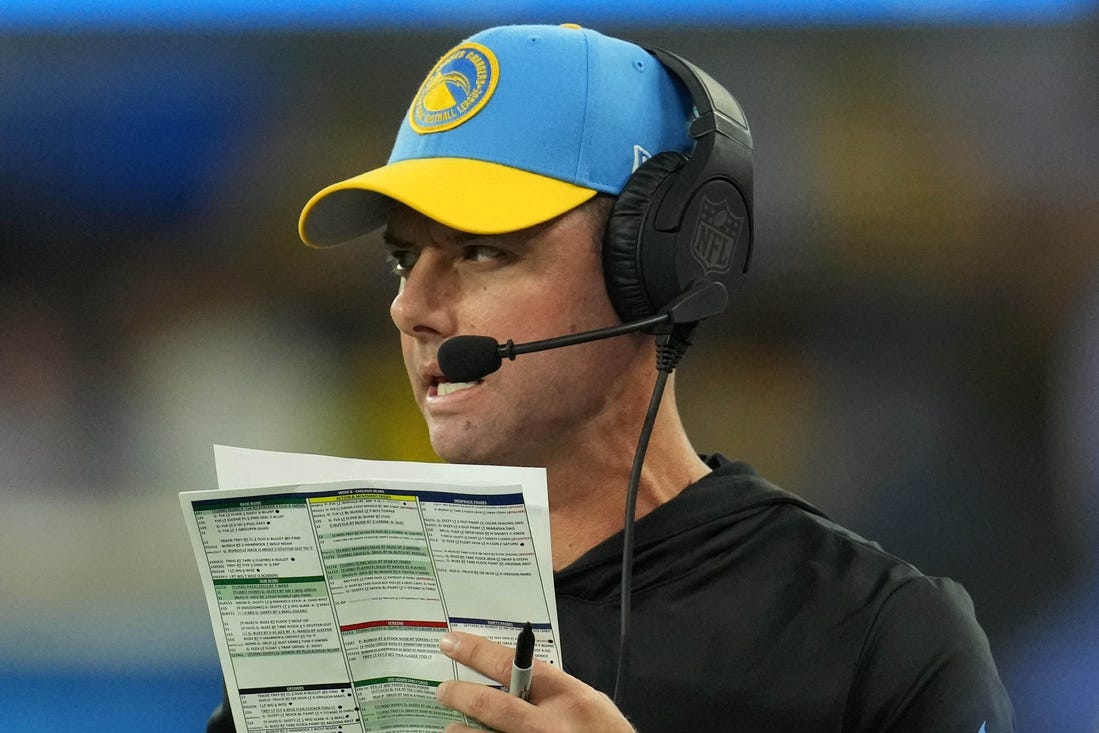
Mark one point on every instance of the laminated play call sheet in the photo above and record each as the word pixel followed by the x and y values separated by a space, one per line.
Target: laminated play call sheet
pixel 330 580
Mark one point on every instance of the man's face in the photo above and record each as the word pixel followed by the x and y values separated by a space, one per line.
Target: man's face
pixel 528 285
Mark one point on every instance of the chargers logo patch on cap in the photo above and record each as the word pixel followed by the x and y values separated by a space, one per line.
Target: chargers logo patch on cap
pixel 455 90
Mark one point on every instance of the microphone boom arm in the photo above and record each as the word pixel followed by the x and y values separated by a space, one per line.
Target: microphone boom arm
pixel 703 299
pixel 510 350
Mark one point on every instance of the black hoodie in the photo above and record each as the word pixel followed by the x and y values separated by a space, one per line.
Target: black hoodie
pixel 752 611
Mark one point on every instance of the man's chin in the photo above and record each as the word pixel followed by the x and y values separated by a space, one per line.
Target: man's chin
pixel 470 451
pixel 454 450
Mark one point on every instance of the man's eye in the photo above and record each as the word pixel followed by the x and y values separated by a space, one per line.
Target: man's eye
pixel 400 261
pixel 482 252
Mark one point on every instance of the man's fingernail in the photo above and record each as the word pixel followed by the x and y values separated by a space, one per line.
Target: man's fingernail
pixel 448 643
pixel 439 691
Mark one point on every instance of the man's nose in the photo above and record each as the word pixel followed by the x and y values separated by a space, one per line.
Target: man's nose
pixel 425 301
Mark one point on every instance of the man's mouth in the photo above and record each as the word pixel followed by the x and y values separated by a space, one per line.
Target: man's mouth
pixel 445 388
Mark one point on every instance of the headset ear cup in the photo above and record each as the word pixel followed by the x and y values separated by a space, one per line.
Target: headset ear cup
pixel 623 239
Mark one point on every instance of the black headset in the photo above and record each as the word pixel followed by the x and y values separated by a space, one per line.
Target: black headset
pixel 682 218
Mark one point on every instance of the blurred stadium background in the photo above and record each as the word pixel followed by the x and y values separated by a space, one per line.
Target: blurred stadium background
pixel 916 351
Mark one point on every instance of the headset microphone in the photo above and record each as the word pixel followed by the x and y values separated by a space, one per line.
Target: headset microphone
pixel 469 358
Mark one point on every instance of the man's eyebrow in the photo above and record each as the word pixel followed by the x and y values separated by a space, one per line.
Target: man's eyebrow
pixel 392 241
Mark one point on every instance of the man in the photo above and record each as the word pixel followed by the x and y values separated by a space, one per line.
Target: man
pixel 751 610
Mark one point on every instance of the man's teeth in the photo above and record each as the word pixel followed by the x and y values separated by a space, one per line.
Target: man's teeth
pixel 445 388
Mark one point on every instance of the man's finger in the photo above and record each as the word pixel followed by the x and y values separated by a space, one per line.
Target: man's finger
pixel 487 657
pixel 495 661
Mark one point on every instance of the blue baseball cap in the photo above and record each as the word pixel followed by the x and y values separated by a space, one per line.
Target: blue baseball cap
pixel 512 127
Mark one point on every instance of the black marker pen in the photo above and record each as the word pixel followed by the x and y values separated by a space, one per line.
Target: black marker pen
pixel 524 663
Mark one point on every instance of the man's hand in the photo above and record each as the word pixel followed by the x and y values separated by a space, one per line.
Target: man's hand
pixel 558 702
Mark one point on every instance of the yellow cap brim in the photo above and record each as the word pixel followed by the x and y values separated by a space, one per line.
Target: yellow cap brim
pixel 469 195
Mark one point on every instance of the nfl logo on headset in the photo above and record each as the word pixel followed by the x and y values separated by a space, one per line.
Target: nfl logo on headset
pixel 716 236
